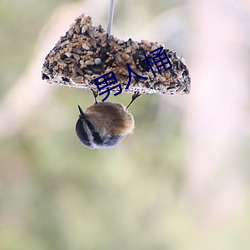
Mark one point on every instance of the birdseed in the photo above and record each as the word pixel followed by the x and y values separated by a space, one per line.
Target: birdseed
pixel 86 52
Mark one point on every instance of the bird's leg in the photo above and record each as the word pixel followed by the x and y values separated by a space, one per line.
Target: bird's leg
pixel 95 94
pixel 134 97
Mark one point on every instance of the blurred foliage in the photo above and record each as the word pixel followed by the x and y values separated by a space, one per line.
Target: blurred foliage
pixel 20 23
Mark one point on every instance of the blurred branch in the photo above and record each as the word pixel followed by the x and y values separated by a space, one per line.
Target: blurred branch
pixel 216 119
pixel 29 92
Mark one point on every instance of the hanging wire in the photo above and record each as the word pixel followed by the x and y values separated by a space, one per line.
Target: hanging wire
pixel 110 15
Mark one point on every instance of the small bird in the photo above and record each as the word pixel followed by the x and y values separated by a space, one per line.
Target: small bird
pixel 104 124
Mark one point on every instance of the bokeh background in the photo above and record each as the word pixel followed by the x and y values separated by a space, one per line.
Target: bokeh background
pixel 180 182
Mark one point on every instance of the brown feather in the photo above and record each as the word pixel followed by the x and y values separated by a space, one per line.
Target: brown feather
pixel 111 117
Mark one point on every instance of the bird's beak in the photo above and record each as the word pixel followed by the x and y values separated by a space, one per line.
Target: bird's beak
pixel 82 115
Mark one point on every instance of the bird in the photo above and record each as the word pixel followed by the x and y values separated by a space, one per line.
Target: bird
pixel 104 124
